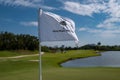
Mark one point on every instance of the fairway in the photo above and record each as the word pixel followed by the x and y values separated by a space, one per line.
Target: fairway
pixel 24 68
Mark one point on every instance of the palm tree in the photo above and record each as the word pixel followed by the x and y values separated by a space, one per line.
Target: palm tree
pixel 98 45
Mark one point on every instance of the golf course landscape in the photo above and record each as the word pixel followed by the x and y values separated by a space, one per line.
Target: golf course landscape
pixel 59 39
pixel 24 65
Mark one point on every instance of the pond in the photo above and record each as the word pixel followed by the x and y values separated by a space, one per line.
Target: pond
pixel 107 59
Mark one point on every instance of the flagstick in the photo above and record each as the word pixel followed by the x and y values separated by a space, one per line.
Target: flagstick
pixel 40 54
pixel 40 62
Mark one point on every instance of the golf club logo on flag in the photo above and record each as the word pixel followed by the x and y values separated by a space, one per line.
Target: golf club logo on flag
pixel 64 23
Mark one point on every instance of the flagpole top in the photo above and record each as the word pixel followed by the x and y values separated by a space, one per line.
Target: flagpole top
pixel 40 11
pixel 40 8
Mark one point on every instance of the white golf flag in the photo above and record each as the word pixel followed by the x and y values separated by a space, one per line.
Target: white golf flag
pixel 53 27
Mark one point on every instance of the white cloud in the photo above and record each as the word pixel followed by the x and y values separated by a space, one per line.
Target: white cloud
pixel 109 33
pixel 113 8
pixel 32 23
pixel 89 7
pixel 112 20
pixel 110 27
pixel 95 31
pixel 18 2
pixel 26 3
pixel 95 1
pixel 106 25
pixel 103 33
pixel 82 29
pixel 90 30
pixel 110 23
pixel 83 9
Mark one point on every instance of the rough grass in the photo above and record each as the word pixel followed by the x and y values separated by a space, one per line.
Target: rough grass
pixel 23 69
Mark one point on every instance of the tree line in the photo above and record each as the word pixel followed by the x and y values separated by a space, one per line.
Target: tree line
pixel 10 41
pixel 100 47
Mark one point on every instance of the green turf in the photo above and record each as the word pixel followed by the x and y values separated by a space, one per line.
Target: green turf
pixel 23 69
pixel 16 53
pixel 7 54
pixel 82 74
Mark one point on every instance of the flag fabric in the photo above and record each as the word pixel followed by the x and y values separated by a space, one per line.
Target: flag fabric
pixel 53 27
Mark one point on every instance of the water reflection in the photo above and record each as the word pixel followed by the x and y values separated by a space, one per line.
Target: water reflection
pixel 107 59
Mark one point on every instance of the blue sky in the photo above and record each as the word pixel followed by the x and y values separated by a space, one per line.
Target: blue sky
pixel 96 20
